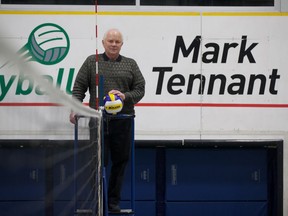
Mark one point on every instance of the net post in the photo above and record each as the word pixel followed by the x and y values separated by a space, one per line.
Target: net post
pixel 133 163
pixel 75 162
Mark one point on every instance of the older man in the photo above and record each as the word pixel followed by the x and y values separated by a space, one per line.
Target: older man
pixel 122 77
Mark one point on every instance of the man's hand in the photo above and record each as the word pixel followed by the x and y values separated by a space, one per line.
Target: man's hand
pixel 118 93
pixel 72 118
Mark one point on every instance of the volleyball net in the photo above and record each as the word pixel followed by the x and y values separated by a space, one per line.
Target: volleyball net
pixel 68 175
pixel 88 163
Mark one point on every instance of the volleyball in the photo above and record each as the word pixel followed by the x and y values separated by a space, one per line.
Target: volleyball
pixel 112 104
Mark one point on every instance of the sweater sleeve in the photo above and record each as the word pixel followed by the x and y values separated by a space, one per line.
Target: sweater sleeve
pixel 137 90
pixel 81 83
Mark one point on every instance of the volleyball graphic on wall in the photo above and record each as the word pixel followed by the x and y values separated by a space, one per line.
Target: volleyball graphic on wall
pixel 113 104
pixel 48 44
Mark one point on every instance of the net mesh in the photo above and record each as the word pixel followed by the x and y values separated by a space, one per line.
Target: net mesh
pixel 94 181
pixel 66 174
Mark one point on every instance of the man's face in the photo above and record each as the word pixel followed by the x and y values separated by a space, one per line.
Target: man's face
pixel 112 44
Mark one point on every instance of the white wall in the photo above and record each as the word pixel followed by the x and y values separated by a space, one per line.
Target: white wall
pixel 151 41
pixel 284 6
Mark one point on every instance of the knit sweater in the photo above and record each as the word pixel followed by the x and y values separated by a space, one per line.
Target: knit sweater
pixel 122 74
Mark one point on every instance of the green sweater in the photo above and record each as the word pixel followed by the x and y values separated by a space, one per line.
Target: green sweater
pixel 123 74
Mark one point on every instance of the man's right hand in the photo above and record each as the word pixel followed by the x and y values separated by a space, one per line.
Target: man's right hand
pixel 72 118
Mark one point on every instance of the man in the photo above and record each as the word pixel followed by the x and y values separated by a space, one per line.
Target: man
pixel 122 77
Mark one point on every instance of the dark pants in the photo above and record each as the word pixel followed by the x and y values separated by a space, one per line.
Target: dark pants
pixel 117 139
pixel 117 146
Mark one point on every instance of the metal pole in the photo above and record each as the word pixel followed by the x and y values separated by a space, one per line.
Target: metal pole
pixel 75 162
pixel 133 164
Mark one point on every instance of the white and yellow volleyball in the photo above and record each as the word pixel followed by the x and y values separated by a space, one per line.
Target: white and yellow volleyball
pixel 113 104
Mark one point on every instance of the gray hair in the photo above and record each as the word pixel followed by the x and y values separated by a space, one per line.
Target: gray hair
pixel 112 30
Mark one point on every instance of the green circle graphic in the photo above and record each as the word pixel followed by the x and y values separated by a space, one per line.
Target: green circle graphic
pixel 48 44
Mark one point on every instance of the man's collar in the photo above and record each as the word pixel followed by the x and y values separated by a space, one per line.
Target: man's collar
pixel 106 58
